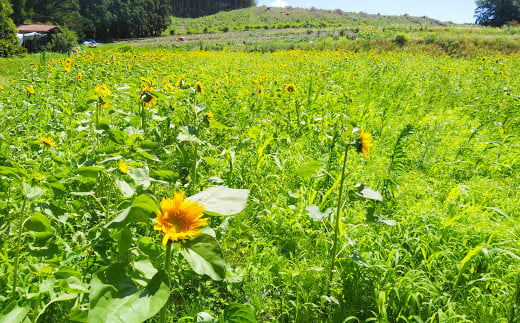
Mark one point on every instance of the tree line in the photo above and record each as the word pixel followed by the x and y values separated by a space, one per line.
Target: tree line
pixel 116 19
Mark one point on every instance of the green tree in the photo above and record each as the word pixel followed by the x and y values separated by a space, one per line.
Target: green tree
pixel 497 12
pixel 8 40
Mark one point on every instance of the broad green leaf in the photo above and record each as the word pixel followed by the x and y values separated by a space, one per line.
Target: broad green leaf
pixel 14 313
pixel 314 212
pixel 204 256
pixel 114 298
pixel 39 226
pixel 11 172
pixel 308 169
pixel 89 171
pixel 126 189
pixel 368 193
pixel 469 256
pixel 117 135
pixel 142 210
pixel 74 285
pixel 141 176
pixel 144 265
pixel 238 313
pixel 165 175
pixel 214 124
pixel 222 200
pixel 60 298
pixel 32 192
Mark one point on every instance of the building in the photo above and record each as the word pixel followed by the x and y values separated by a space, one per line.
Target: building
pixel 34 37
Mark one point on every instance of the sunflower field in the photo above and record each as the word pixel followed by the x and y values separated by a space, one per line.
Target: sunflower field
pixel 168 185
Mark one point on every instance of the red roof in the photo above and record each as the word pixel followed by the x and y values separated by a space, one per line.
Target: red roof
pixel 22 29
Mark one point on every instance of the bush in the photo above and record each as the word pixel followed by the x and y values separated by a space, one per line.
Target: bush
pixel 400 40
pixel 64 41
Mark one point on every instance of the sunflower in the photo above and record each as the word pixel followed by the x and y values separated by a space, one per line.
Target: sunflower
pixel 179 219
pixel 102 90
pixel 79 77
pixel 47 141
pixel 149 101
pixel 29 90
pixel 200 87
pixel 290 88
pixel 364 143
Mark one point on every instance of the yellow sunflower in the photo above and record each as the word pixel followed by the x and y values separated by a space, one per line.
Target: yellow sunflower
pixel 200 87
pixel 179 219
pixel 290 88
pixel 123 166
pixel 364 143
pixel 29 90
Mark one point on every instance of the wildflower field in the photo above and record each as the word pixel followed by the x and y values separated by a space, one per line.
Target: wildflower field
pixel 159 184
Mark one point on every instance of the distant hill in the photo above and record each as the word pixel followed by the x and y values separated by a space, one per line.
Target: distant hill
pixel 279 18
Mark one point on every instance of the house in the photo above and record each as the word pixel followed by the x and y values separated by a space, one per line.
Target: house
pixel 33 37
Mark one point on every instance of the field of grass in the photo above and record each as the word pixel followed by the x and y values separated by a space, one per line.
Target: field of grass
pixel 425 229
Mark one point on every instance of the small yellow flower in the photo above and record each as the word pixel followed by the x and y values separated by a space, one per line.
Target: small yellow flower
pixel 290 88
pixel 123 166
pixel 364 143
pixel 179 219
pixel 260 90
pixel 49 68
pixel 210 115
pixel 146 88
pixel 217 84
pixel 66 68
pixel 47 141
pixel 35 67
pixel 29 90
pixel 1 87
pixel 104 104
pixel 199 87
pixel 79 77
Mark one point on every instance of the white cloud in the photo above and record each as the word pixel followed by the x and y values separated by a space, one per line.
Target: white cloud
pixel 279 3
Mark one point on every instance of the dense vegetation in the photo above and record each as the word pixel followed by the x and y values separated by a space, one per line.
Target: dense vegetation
pixel 8 41
pixel 88 143
pixel 113 19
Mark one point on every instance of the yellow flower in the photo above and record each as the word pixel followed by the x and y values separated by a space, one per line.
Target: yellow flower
pixel 179 219
pixel 200 88
pixel 289 88
pixel 47 141
pixel 260 90
pixel 217 84
pixel 1 87
pixel 79 77
pixel 102 90
pixel 150 102
pixel 180 80
pixel 364 143
pixel 29 90
pixel 35 67
pixel 67 68
pixel 104 104
pixel 146 88
pixel 210 115
pixel 123 166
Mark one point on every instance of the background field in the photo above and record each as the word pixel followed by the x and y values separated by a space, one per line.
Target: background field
pixel 442 245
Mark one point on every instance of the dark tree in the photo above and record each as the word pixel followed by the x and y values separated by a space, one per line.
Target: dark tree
pixel 8 40
pixel 497 12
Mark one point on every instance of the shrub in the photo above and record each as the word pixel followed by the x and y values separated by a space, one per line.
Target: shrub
pixel 64 41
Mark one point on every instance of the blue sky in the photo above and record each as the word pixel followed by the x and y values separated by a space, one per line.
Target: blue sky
pixel 458 11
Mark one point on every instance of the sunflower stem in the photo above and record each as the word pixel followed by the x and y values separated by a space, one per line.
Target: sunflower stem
pixel 167 263
pixel 18 242
pixel 338 218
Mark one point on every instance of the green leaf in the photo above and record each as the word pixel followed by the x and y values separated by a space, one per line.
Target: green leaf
pixel 214 124
pixel 368 193
pixel 141 176
pixel 126 189
pixel 11 172
pixel 469 256
pixel 14 313
pixel 314 212
pixel 204 256
pixel 165 175
pixel 142 210
pixel 32 192
pixel 60 298
pixel 238 313
pixel 39 226
pixel 222 200
pixel 89 171
pixel 308 169
pixel 117 135
pixel 115 298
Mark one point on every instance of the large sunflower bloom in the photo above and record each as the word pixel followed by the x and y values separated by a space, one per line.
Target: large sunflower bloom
pixel 179 219
pixel 364 143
